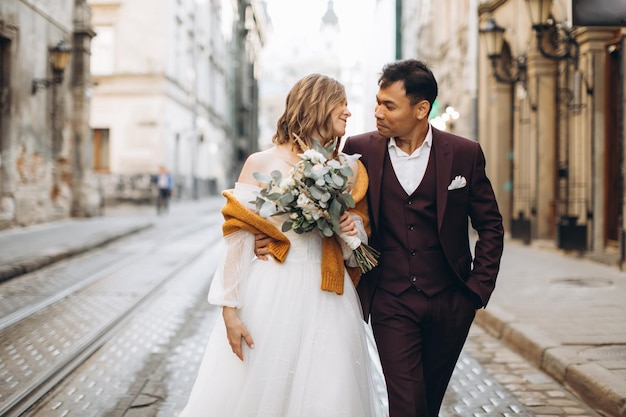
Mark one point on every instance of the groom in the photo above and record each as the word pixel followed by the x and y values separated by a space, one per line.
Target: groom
pixel 424 185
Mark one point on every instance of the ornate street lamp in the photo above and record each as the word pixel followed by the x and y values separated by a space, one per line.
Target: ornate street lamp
pixel 506 69
pixel 554 40
pixel 59 56
pixel 494 34
pixel 539 11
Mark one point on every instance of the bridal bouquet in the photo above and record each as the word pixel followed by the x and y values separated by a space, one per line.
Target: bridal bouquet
pixel 314 197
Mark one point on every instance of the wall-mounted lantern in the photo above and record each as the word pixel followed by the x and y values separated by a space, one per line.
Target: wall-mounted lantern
pixel 506 69
pixel 59 56
pixel 554 40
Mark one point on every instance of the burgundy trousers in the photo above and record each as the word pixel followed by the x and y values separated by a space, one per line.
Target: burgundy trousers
pixel 419 340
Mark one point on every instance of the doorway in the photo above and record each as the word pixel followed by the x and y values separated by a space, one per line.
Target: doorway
pixel 613 194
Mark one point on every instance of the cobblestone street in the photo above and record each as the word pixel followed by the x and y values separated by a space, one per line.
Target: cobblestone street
pixel 119 331
pixel 492 380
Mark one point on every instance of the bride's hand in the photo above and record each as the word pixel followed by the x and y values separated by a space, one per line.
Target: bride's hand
pixel 346 224
pixel 235 331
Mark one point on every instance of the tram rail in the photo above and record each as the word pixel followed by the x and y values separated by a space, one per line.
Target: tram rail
pixel 45 340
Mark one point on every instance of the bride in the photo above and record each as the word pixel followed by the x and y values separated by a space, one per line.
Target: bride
pixel 292 342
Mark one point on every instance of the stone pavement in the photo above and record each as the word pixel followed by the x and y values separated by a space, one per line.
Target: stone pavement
pixel 26 249
pixel 566 315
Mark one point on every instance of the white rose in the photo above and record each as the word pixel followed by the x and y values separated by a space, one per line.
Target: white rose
pixel 303 200
pixel 314 156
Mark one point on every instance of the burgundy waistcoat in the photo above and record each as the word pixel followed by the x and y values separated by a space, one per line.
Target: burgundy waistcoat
pixel 411 251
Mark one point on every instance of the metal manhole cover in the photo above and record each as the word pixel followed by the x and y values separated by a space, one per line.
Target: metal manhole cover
pixel 607 353
pixel 583 282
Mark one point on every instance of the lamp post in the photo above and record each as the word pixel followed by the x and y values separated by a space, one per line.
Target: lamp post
pixel 554 40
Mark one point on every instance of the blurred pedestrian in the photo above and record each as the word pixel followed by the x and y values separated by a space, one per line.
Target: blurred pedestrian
pixel 165 184
pixel 424 185
pixel 292 342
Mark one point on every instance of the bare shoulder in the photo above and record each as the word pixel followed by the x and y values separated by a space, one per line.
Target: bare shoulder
pixel 262 161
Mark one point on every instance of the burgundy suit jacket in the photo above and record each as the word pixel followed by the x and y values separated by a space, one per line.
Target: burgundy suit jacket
pixel 475 202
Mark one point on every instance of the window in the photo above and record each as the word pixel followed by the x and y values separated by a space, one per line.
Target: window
pixel 103 51
pixel 101 150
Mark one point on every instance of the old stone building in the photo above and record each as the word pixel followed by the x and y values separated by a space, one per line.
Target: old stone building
pixel 540 83
pixel 176 85
pixel 45 154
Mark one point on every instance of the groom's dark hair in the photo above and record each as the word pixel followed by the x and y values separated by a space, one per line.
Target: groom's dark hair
pixel 419 81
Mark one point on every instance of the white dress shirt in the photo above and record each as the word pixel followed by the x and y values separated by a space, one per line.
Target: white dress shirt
pixel 410 169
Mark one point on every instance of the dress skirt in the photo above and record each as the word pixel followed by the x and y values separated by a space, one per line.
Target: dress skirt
pixel 313 355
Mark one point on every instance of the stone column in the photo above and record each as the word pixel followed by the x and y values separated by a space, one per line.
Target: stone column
pixel 543 136
pixel 499 146
pixel 592 43
pixel 86 194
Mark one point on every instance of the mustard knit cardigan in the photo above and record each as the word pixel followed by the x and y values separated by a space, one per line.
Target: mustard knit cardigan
pixel 238 217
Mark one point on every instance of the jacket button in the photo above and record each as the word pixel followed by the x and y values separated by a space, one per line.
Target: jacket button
pixel 409 202
pixel 413 278
pixel 413 252
pixel 411 227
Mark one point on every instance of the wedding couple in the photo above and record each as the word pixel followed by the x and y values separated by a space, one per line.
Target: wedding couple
pixel 292 345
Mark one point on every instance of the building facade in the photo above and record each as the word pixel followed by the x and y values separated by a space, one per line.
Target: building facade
pixel 545 98
pixel 45 153
pixel 559 89
pixel 175 87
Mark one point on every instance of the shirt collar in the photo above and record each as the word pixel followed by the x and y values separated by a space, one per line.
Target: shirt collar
pixel 428 143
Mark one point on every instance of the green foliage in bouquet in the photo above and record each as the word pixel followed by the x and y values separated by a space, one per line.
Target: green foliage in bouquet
pixel 313 194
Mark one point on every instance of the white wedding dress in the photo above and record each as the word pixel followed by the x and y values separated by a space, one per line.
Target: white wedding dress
pixel 313 355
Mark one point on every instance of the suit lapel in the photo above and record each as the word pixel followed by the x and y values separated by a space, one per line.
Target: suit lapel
pixel 376 159
pixel 444 155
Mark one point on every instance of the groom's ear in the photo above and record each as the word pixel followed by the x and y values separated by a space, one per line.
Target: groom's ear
pixel 422 108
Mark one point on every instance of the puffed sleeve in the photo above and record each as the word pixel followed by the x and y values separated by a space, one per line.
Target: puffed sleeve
pixel 236 259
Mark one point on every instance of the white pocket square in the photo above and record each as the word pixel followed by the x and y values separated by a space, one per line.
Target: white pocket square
pixel 458 182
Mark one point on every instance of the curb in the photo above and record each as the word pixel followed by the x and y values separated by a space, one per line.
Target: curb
pixel 595 385
pixel 25 265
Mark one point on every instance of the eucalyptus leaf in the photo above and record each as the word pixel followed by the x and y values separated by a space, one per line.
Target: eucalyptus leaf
pixel 286 198
pixel 346 170
pixel 316 193
pixel 286 226
pixel 333 163
pixel 277 176
pixel 261 177
pixel 339 181
pixel 346 199
pixel 267 209
pixel 335 210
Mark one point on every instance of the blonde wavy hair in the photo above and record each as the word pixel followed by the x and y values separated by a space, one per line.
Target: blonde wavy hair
pixel 308 110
